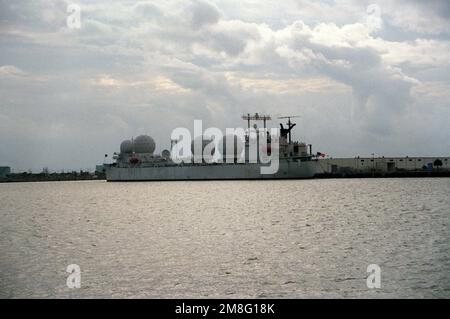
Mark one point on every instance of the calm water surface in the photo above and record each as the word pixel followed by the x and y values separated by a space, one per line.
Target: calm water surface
pixel 232 239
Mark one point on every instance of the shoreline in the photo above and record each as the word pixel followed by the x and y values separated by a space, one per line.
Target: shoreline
pixel 55 177
pixel 397 174
pixel 373 175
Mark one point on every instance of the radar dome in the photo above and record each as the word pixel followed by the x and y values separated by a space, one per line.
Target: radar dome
pixel 126 146
pixel 144 144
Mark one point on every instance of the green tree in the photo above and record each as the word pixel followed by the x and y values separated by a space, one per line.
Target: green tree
pixel 437 163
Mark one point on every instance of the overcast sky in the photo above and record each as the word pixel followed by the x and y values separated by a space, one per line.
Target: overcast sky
pixel 366 76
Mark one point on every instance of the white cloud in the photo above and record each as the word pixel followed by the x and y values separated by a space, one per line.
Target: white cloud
pixel 11 71
pixel 203 13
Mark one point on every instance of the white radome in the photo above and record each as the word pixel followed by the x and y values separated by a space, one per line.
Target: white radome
pixel 126 146
pixel 144 144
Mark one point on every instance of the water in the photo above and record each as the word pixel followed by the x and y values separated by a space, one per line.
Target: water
pixel 231 239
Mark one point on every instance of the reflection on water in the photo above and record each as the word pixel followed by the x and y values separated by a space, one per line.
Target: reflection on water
pixel 280 239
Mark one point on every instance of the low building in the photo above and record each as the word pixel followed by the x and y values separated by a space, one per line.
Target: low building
pixel 4 171
pixel 384 164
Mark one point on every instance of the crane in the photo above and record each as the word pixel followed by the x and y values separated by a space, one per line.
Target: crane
pixel 256 117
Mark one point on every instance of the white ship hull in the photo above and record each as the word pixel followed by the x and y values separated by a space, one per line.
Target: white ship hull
pixel 288 169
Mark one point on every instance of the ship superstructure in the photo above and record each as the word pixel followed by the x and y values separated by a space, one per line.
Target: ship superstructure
pixel 136 160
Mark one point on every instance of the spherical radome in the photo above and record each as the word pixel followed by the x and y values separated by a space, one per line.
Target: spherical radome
pixel 126 146
pixel 144 144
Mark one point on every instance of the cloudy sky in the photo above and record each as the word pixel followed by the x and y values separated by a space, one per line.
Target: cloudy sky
pixel 366 76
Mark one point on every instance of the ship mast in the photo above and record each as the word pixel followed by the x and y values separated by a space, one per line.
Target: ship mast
pixel 289 124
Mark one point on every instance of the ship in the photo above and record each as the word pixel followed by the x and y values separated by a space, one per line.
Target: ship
pixel 137 161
